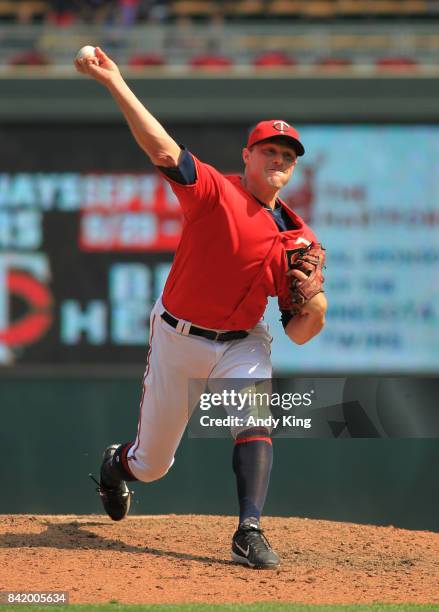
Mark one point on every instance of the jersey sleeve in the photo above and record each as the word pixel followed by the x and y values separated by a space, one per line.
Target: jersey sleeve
pixel 197 186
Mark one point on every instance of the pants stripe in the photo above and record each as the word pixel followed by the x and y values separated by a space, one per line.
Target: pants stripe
pixel 253 438
pixel 148 360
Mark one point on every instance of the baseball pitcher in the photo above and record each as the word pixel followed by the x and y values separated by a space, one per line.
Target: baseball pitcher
pixel 240 244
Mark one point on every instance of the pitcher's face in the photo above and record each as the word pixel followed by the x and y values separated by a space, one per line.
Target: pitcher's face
pixel 269 163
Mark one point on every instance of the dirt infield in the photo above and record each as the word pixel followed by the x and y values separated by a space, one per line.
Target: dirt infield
pixel 181 559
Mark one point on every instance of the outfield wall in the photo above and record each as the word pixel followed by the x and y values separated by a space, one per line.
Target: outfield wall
pixel 53 432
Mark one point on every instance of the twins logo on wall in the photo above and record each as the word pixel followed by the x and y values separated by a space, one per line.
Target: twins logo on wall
pixel 23 280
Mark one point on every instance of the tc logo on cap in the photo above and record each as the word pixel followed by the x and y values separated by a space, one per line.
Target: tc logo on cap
pixel 281 126
pixel 272 128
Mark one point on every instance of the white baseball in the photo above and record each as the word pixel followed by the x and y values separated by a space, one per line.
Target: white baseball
pixel 86 52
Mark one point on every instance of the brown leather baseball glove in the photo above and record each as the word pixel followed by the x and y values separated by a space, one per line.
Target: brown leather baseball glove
pixel 309 261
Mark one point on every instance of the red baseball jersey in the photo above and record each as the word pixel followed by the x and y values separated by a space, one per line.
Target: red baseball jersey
pixel 231 255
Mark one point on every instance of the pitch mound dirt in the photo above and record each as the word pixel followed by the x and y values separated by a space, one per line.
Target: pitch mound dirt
pixel 181 559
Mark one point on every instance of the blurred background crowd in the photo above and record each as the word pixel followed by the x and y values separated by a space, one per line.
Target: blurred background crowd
pixel 130 12
pixel 224 34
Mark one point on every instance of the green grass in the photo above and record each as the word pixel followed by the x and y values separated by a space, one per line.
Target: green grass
pixel 114 606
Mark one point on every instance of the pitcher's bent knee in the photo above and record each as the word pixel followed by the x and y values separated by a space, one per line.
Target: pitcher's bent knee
pixel 148 473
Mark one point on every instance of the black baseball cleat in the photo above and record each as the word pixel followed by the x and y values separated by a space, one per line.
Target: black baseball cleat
pixel 250 547
pixel 114 492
